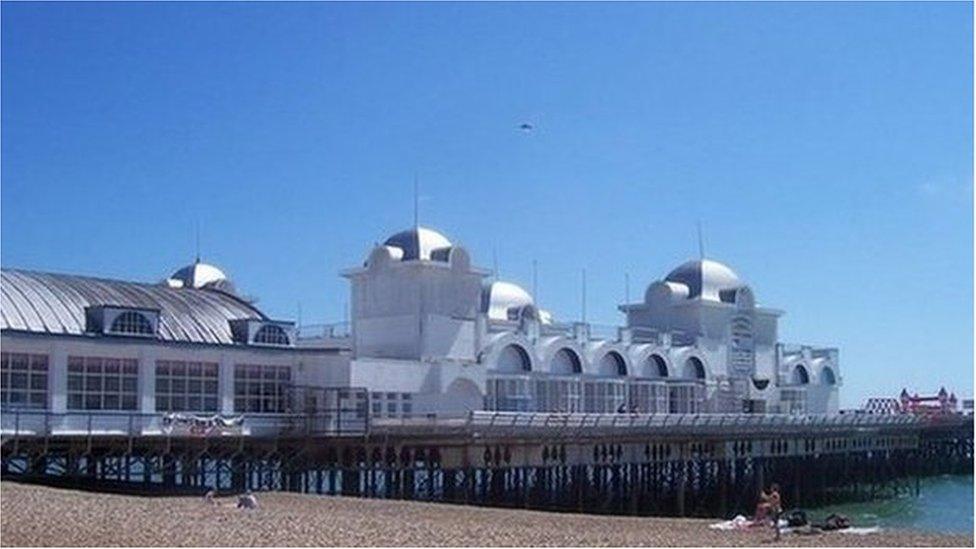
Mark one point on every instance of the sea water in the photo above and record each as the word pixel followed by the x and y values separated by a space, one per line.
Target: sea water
pixel 944 505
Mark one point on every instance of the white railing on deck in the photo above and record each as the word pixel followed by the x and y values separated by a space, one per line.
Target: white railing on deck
pixel 577 424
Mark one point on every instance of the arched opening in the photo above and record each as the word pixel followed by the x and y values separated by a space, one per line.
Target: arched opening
pixel 800 375
pixel 514 358
pixel 565 361
pixel 269 334
pixel 132 322
pixel 612 364
pixel 694 369
pixel 464 395
pixel 656 367
pixel 827 376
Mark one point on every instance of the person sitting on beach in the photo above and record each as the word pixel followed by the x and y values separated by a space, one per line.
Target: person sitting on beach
pixel 210 498
pixel 247 501
pixel 775 506
pixel 762 509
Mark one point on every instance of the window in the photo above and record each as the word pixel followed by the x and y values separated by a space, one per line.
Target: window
pixel 132 322
pixel 565 361
pixel 98 383
pixel 262 388
pixel 186 386
pixel 742 360
pixel 510 394
pixel 269 334
pixel 23 380
pixel 694 368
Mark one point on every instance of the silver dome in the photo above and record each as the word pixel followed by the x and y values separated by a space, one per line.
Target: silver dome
pixel 499 299
pixel 705 278
pixel 200 275
pixel 419 243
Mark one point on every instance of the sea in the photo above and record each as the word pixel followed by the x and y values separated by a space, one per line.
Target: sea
pixel 944 505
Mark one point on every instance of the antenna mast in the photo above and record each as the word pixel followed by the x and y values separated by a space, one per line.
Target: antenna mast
pixel 701 242
pixel 494 264
pixel 535 282
pixel 198 241
pixel 416 202
pixel 584 296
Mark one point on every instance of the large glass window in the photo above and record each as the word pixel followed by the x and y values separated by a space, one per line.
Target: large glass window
pixel 261 388
pixel 186 386
pixel 23 380
pixel 100 383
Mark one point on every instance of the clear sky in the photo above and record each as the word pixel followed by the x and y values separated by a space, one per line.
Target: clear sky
pixel 827 149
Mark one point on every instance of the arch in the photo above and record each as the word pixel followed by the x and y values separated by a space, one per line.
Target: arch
pixel 269 334
pixel 513 358
pixel 132 322
pixel 827 376
pixel 800 375
pixel 656 366
pixel 463 394
pixel 694 368
pixel 565 361
pixel 612 363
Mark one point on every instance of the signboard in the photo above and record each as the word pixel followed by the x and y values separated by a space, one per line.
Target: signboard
pixel 178 424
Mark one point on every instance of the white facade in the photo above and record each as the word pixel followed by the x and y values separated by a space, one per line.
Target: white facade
pixel 429 334
pixel 430 322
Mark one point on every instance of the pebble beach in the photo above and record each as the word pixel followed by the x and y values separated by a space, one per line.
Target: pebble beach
pixel 42 516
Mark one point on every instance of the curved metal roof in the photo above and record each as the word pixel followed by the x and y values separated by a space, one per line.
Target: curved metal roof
pixel 55 304
pixel 418 243
pixel 705 278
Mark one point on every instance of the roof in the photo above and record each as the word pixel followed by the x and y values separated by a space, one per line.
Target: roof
pixel 55 304
pixel 201 275
pixel 705 278
pixel 418 243
pixel 498 297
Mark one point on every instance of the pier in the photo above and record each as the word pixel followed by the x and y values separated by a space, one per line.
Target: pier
pixel 706 465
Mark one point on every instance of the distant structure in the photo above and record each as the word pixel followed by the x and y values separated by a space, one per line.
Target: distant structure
pixel 882 406
pixel 941 403
pixel 429 333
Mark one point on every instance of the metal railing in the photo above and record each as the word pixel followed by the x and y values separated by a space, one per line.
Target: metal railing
pixel 543 424
pixel 335 330
pixel 40 423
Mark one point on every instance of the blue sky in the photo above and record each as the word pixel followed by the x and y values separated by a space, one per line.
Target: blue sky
pixel 827 149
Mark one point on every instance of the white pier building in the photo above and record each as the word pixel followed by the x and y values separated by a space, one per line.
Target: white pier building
pixel 430 334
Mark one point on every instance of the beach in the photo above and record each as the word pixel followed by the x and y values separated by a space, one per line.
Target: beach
pixel 33 515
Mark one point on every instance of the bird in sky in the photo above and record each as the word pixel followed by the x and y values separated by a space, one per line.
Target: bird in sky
pixel 526 127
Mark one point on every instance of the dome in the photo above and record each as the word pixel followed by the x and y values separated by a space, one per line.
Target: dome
pixel 498 298
pixel 419 243
pixel 705 279
pixel 200 275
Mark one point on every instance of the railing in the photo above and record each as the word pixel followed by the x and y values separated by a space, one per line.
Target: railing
pixel 478 424
pixel 335 330
pixel 39 423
